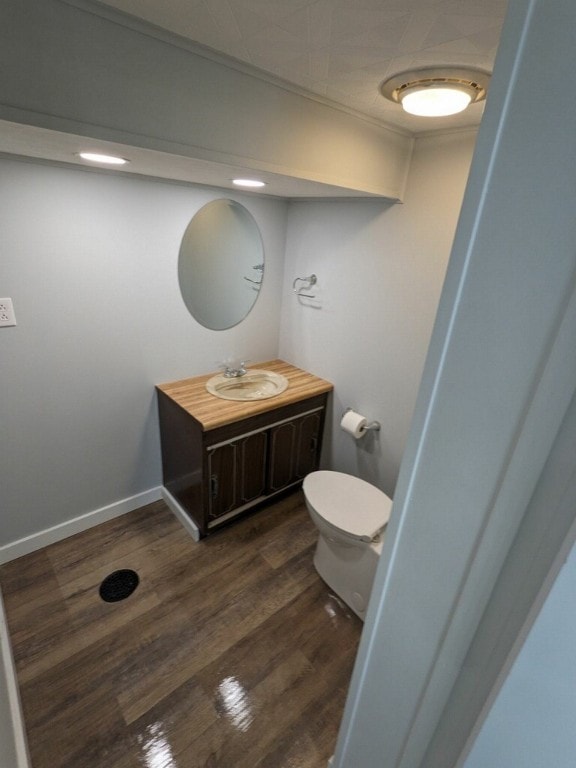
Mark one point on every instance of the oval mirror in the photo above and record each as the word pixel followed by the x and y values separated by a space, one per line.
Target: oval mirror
pixel 221 264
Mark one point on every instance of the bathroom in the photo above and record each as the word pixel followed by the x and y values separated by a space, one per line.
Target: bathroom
pixel 90 260
pixel 104 249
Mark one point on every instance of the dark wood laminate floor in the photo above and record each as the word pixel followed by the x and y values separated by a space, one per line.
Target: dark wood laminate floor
pixel 231 653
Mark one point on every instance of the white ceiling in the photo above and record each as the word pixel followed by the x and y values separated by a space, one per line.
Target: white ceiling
pixel 339 50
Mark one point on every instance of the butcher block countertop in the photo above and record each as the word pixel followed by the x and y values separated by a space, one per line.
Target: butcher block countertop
pixel 212 412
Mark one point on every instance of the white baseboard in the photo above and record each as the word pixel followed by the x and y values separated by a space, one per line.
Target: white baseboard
pixel 181 514
pixel 14 747
pixel 76 525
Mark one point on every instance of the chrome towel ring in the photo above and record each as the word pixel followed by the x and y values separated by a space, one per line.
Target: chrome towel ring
pixel 309 282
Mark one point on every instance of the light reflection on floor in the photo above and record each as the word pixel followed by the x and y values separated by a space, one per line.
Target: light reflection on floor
pixel 156 749
pixel 336 609
pixel 330 611
pixel 233 701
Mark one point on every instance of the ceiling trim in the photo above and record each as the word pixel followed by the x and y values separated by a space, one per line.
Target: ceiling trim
pixel 446 131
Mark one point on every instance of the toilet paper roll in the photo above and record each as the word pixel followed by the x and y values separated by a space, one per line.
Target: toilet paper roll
pixel 353 423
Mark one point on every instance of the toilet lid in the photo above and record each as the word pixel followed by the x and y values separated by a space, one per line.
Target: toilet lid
pixel 348 503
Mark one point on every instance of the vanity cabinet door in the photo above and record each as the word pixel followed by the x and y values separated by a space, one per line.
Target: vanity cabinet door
pixel 308 449
pixel 252 452
pixel 236 474
pixel 294 450
pixel 283 442
pixel 222 480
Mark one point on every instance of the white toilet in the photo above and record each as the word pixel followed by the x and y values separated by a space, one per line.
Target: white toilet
pixel 350 515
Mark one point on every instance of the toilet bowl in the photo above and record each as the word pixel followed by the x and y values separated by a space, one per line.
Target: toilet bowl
pixel 351 516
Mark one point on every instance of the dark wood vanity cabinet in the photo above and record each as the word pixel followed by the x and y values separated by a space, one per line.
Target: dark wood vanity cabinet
pixel 217 474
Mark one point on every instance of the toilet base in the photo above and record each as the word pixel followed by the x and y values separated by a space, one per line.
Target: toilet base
pixel 348 570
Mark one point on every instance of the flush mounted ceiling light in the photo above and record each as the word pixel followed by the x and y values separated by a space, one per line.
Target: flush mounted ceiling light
pixel 435 92
pixel 95 157
pixel 248 183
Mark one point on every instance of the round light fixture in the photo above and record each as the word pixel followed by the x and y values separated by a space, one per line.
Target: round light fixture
pixel 95 157
pixel 435 92
pixel 248 183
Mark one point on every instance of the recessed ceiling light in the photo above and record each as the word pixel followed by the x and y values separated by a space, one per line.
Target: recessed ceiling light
pixel 95 157
pixel 248 183
pixel 436 92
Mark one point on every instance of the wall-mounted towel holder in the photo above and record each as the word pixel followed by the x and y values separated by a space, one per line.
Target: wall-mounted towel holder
pixel 309 282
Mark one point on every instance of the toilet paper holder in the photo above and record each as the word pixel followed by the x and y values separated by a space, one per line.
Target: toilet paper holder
pixel 370 426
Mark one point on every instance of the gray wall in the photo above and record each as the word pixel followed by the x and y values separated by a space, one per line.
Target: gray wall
pixel 90 261
pixel 380 270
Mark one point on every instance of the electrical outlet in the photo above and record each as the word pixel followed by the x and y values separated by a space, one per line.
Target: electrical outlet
pixel 7 316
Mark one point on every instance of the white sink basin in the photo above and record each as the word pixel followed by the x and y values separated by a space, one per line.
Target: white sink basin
pixel 256 384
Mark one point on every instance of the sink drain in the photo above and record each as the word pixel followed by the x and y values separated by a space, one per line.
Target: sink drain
pixel 118 585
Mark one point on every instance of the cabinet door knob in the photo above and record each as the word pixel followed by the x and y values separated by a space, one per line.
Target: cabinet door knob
pixel 214 486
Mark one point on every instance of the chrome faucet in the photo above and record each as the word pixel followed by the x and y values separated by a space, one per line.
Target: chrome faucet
pixel 235 373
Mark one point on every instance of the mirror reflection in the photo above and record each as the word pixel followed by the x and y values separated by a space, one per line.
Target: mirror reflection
pixel 221 264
